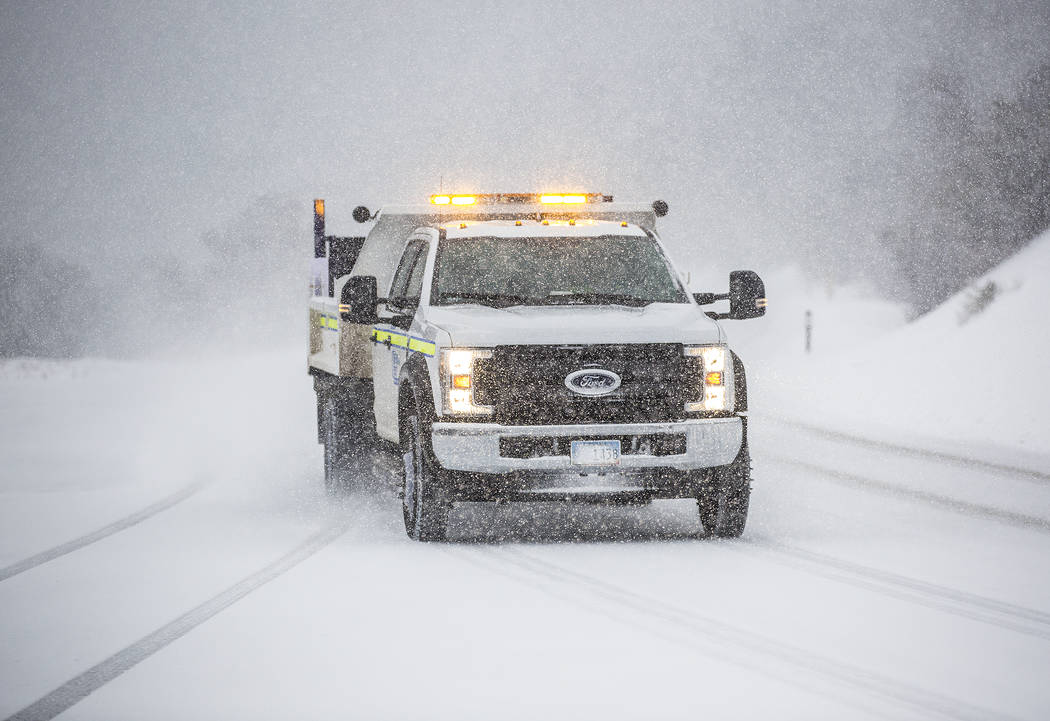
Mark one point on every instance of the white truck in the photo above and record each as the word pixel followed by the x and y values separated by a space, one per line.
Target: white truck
pixel 527 347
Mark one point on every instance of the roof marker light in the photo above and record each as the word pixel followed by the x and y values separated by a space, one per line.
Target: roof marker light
pixel 440 199
pixel 319 207
pixel 462 225
pixel 517 222
pixel 546 222
pixel 572 222
pixel 463 200
pixel 623 223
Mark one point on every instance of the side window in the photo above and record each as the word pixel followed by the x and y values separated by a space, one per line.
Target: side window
pixel 415 278
pixel 399 288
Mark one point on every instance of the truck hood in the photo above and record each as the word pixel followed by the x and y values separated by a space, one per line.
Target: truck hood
pixel 481 326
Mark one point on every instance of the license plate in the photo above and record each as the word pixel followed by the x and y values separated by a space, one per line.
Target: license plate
pixel 594 453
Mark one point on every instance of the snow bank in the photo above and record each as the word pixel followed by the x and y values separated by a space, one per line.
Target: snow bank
pixel 85 442
pixel 969 376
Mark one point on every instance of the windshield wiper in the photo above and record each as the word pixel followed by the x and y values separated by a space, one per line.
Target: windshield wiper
pixel 494 300
pixel 597 299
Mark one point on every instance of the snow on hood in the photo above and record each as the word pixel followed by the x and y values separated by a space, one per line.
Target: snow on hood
pixel 481 326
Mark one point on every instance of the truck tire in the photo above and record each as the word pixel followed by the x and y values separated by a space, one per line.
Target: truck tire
pixel 346 430
pixel 336 446
pixel 425 502
pixel 724 504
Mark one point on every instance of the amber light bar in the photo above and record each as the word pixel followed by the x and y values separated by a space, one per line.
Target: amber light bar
pixel 519 198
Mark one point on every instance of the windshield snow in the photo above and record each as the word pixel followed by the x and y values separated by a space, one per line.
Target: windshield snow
pixel 603 270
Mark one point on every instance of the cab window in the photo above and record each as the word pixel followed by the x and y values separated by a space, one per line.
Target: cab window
pixel 408 281
pixel 415 277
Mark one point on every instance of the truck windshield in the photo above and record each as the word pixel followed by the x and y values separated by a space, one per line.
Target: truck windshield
pixel 601 270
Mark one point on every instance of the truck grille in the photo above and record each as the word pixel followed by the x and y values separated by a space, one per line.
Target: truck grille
pixel 526 384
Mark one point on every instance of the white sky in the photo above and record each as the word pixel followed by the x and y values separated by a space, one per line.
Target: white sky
pixel 126 125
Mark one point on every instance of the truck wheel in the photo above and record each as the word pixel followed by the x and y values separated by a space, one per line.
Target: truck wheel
pixel 425 501
pixel 336 442
pixel 724 504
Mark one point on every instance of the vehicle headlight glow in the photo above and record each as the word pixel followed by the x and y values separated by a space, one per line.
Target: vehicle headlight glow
pixel 717 375
pixel 457 381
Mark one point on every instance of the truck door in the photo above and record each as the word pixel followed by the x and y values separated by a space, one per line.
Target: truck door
pixel 390 350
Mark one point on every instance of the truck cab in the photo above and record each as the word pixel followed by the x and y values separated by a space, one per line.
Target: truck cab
pixel 532 351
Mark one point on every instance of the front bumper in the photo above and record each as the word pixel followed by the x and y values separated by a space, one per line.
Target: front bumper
pixel 475 447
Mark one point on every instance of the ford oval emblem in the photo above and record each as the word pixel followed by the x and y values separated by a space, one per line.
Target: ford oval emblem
pixel 592 382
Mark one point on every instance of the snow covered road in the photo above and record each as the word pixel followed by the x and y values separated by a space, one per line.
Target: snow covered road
pixel 168 552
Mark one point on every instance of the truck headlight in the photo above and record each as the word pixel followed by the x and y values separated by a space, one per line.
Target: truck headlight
pixel 716 371
pixel 457 380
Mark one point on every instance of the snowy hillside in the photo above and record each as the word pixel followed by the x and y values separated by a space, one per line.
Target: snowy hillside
pixel 968 375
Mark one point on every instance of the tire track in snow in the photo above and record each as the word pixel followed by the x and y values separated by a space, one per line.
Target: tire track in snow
pixel 1028 473
pixel 965 508
pixel 725 642
pixel 1028 621
pixel 78 688
pixel 98 534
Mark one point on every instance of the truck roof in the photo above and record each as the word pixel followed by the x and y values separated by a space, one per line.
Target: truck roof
pixel 393 224
pixel 532 228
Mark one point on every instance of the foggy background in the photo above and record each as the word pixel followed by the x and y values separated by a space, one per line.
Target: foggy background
pixel 159 162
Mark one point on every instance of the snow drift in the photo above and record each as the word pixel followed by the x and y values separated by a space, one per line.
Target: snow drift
pixel 968 375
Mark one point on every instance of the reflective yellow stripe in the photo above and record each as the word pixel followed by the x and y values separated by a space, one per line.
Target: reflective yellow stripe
pixel 321 321
pixel 404 341
pixel 333 323
pixel 382 336
pixel 422 346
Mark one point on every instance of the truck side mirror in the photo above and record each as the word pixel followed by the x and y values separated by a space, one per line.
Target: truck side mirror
pixel 357 303
pixel 747 295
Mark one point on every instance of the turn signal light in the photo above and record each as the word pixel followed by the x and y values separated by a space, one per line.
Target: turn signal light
pixel 717 374
pixel 457 365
